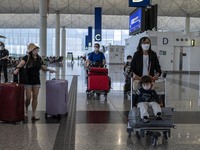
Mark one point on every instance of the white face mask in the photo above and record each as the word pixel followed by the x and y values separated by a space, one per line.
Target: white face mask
pixel 146 87
pixel 145 46
pixel 129 60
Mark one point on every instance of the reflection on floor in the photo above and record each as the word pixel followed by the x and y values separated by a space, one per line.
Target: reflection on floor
pixel 100 124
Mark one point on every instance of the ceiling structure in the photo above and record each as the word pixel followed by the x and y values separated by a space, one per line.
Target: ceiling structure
pixel 80 13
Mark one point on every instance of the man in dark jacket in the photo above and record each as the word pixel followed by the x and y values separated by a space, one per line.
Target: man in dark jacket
pixel 4 53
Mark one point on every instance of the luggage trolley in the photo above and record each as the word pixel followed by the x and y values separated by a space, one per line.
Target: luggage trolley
pixel 98 82
pixel 154 128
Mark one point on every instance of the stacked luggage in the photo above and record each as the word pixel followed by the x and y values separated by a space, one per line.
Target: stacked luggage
pixel 98 81
pixel 11 102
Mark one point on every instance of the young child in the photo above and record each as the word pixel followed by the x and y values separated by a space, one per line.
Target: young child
pixel 128 64
pixel 147 97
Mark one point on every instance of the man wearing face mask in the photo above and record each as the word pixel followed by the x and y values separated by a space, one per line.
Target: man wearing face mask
pixel 145 61
pixel 4 53
pixel 147 97
pixel 96 56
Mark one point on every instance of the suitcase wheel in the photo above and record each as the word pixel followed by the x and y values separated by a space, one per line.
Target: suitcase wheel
pixel 58 116
pixel 46 116
pixel 98 95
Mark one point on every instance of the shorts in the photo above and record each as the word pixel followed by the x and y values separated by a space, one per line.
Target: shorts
pixel 32 86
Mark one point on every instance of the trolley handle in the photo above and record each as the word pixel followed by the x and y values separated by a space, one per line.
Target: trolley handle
pixel 131 75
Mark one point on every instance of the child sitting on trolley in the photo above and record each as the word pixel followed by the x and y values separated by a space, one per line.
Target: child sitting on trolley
pixel 147 97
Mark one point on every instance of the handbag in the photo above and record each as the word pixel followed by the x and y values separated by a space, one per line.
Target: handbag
pixel 23 77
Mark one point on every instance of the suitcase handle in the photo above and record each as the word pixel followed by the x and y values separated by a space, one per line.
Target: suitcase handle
pixel 50 76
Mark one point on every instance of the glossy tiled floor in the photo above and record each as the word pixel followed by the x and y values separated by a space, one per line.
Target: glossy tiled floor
pixel 101 125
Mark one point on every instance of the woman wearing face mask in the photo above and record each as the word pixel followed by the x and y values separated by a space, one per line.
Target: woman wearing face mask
pixel 145 61
pixel 34 63
pixel 147 97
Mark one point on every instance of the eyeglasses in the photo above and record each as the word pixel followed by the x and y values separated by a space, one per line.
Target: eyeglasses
pixel 96 46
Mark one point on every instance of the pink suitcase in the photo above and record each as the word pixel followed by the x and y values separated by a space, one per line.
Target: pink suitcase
pixel 56 97
pixel 98 83
pixel 11 102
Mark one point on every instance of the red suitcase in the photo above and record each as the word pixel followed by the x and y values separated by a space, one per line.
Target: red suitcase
pixel 98 71
pixel 98 83
pixel 11 102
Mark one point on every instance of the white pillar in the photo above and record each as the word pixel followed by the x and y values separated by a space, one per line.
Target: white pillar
pixel 57 48
pixel 63 44
pixel 43 27
pixel 187 25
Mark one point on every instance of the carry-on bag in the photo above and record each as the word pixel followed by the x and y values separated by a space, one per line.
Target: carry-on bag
pixel 11 102
pixel 56 97
pixel 98 71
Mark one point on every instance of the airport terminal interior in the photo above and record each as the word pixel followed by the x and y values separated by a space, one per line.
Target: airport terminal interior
pixel 102 124
pixel 93 122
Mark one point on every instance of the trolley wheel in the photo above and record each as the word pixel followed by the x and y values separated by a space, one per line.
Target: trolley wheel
pixel 105 95
pixel 129 130
pixel 165 134
pixel 142 133
pixel 137 134
pixel 46 115
pixel 125 96
pixel 98 96
pixel 129 134
pixel 154 141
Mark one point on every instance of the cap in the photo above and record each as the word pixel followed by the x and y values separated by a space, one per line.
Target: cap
pixel 31 47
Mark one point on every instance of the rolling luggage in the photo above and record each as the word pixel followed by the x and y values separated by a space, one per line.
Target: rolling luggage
pixel 11 102
pixel 99 83
pixel 98 71
pixel 56 97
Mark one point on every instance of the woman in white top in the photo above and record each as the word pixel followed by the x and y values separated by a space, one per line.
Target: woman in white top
pixel 145 61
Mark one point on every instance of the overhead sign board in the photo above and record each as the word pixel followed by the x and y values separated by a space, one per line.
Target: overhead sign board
pixel 139 3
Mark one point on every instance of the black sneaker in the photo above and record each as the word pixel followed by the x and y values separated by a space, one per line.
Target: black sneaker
pixel 145 119
pixel 34 118
pixel 158 116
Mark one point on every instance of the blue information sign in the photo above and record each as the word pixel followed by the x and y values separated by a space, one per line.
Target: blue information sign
pixel 97 31
pixel 139 3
